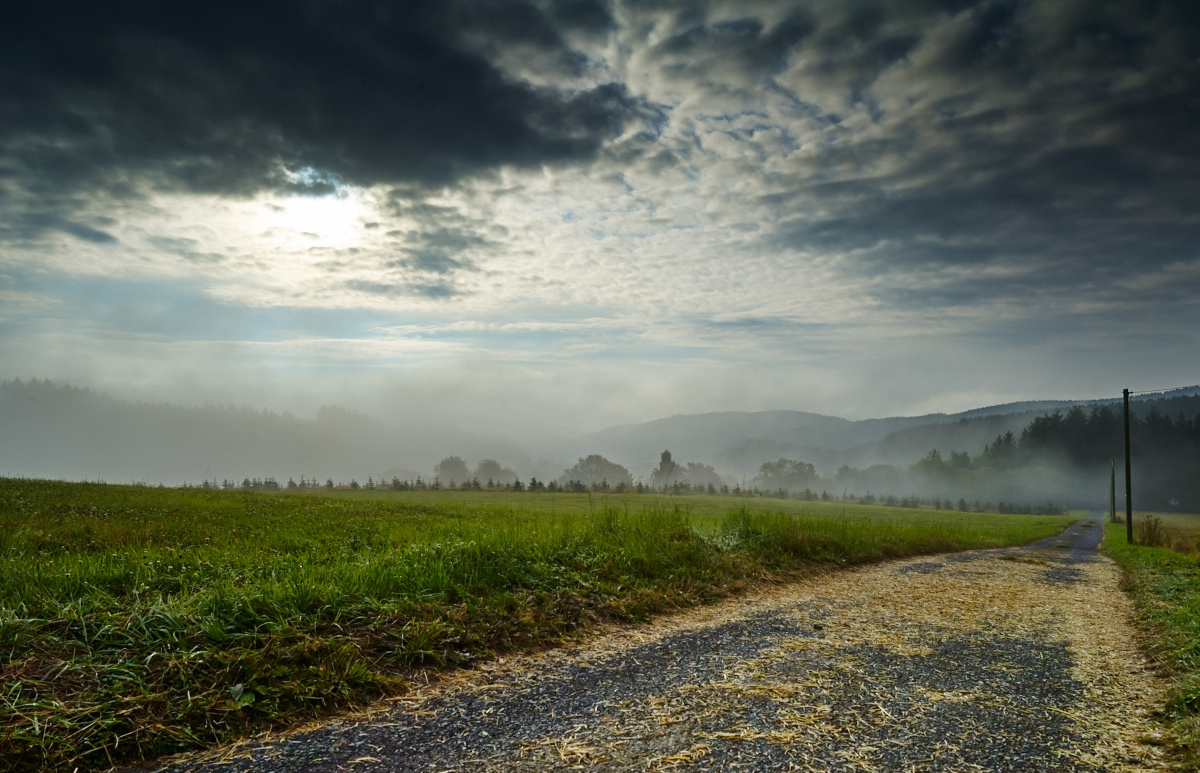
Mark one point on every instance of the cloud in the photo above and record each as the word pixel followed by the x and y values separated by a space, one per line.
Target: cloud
pixel 185 248
pixel 234 98
pixel 745 42
pixel 827 193
pixel 922 137
pixel 440 249
pixel 27 226
pixel 422 289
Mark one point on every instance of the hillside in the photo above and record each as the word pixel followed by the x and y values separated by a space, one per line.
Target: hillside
pixel 737 443
pixel 57 431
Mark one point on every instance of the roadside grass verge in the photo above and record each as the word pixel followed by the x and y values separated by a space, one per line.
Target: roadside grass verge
pixel 1165 585
pixel 137 622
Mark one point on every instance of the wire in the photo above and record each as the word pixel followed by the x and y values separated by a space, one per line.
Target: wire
pixel 1168 389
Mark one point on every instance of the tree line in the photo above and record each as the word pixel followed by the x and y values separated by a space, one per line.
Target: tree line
pixel 1165 451
pixel 1084 442
pixel 641 487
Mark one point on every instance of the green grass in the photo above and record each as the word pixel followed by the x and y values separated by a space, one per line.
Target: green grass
pixel 136 622
pixel 1165 585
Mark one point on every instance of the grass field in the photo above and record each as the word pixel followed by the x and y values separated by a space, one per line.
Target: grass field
pixel 138 621
pixel 1165 584
pixel 1178 531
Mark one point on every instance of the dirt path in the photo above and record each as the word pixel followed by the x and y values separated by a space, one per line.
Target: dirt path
pixel 1016 660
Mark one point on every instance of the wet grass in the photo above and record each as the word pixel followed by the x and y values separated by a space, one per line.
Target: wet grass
pixel 1165 585
pixel 137 622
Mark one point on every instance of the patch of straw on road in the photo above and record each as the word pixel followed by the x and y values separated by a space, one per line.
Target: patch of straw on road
pixel 992 598
pixel 688 756
pixel 1119 682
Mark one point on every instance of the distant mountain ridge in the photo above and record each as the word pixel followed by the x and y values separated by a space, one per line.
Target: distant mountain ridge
pixel 738 443
pixel 53 430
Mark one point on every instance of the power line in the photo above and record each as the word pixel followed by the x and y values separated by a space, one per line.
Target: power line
pixel 1168 389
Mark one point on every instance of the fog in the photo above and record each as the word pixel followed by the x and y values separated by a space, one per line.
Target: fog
pixel 56 430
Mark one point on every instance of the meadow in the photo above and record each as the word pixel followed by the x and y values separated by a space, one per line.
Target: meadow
pixel 138 621
pixel 1178 531
pixel 1164 580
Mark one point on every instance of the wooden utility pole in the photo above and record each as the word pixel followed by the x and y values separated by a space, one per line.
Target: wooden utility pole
pixel 1128 482
pixel 1112 493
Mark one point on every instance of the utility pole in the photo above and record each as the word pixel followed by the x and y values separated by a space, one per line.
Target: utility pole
pixel 1112 493
pixel 1128 482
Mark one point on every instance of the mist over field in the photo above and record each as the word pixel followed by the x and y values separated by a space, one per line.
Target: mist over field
pixel 998 454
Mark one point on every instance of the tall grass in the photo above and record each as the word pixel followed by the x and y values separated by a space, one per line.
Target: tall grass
pixel 136 622
pixel 1165 584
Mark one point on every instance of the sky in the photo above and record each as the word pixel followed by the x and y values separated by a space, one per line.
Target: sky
pixel 559 216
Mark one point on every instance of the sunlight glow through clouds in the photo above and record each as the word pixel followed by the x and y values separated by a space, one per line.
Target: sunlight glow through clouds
pixel 334 221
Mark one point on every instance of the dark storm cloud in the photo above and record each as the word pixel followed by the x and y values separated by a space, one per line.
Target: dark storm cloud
pixel 1059 138
pixel 215 96
pixel 745 40
pixel 588 16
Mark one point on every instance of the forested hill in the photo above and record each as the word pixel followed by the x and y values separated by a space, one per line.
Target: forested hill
pixel 738 442
pixel 1164 440
pixel 970 432
pixel 1075 451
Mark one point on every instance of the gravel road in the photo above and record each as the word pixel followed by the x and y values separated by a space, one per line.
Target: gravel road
pixel 1012 660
